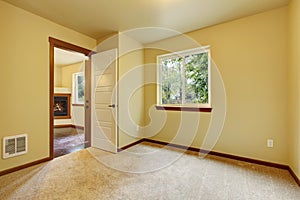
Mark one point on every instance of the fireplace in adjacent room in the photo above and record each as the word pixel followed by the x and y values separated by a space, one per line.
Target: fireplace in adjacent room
pixel 62 106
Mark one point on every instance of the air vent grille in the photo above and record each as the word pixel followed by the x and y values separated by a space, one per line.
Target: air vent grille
pixel 21 144
pixel 14 145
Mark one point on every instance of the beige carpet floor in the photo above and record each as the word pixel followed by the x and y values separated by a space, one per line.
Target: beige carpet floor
pixel 147 171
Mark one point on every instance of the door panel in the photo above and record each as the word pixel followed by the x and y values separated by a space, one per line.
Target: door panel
pixel 104 100
pixel 103 116
pixel 106 80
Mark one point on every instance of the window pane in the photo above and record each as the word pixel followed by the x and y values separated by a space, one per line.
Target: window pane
pixel 171 81
pixel 196 73
pixel 80 88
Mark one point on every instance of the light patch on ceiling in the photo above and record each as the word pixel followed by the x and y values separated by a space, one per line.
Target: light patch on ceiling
pixel 150 34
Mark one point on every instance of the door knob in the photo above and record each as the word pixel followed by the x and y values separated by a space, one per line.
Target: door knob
pixel 112 106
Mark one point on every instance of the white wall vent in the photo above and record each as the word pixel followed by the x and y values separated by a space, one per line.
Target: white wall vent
pixel 14 145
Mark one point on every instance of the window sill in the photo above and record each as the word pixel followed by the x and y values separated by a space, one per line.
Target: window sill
pixel 184 108
pixel 77 104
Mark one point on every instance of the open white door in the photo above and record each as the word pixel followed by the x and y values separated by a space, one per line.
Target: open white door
pixel 104 101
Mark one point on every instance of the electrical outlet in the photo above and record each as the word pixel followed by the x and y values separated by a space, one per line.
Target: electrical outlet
pixel 270 143
pixel 137 128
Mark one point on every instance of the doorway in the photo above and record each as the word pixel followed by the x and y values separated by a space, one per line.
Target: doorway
pixel 69 97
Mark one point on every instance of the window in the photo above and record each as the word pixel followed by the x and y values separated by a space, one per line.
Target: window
pixel 78 88
pixel 184 78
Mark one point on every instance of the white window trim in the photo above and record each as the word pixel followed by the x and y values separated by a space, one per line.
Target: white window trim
pixel 183 53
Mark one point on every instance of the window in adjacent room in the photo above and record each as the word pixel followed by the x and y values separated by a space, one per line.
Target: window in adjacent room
pixel 78 88
pixel 184 78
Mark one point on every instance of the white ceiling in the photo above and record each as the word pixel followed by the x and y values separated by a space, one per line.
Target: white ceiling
pixel 63 57
pixel 97 18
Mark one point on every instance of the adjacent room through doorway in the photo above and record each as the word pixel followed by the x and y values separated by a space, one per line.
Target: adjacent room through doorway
pixel 68 108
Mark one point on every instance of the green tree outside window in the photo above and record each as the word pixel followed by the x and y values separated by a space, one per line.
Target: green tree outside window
pixel 185 77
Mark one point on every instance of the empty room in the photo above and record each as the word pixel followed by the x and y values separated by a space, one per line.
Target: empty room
pixel 160 99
